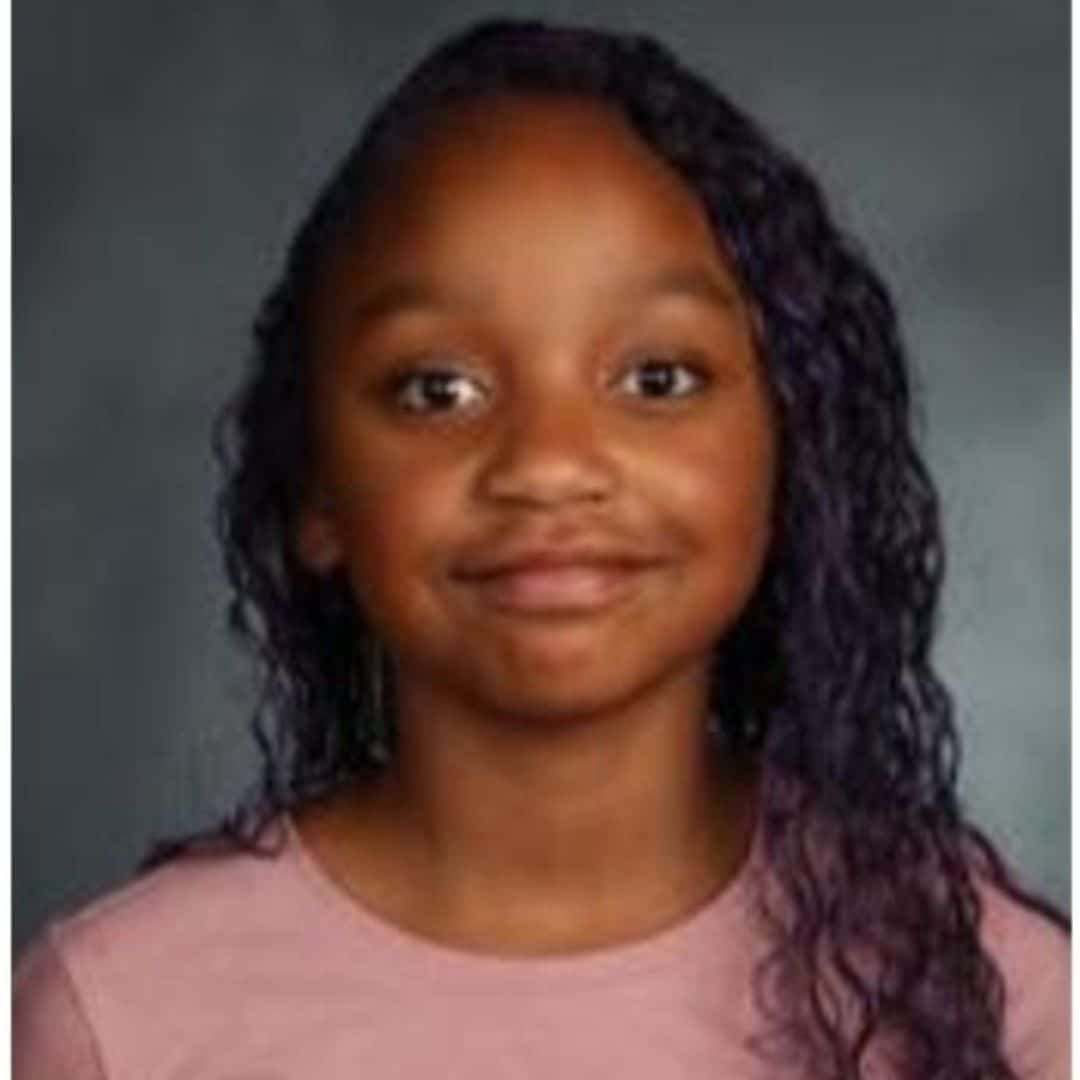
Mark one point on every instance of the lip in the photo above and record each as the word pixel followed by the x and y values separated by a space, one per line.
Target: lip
pixel 557 580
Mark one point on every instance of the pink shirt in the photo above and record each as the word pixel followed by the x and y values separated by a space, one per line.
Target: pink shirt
pixel 241 968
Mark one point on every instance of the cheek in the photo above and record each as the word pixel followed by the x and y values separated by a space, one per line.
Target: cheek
pixel 723 497
pixel 391 522
pixel 719 484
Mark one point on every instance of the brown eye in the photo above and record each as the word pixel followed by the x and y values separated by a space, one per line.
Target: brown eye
pixel 433 390
pixel 662 378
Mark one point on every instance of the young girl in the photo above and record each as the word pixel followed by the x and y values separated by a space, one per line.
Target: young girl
pixel 573 513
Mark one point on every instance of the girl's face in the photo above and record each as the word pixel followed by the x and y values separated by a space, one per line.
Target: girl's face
pixel 545 449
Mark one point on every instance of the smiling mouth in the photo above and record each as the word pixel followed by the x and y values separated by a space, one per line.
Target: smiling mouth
pixel 572 589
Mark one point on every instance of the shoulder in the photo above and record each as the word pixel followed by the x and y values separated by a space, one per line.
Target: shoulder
pixel 175 909
pixel 50 1034
pixel 1032 953
pixel 144 955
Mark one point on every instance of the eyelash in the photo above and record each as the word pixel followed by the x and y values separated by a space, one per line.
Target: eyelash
pixel 692 373
pixel 405 383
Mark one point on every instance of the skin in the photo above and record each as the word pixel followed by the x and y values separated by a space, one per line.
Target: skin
pixel 531 338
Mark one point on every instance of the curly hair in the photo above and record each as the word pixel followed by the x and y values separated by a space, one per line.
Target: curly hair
pixel 874 915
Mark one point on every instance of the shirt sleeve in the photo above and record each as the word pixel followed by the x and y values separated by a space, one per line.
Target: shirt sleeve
pixel 50 1034
pixel 1032 954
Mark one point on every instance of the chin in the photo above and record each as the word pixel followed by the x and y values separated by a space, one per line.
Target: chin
pixel 571 697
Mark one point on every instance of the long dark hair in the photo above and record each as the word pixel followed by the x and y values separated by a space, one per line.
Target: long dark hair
pixel 826 679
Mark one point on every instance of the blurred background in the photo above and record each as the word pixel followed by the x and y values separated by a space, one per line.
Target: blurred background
pixel 165 152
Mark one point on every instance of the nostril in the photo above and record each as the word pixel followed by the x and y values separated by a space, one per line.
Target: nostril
pixel 548 482
pixel 548 469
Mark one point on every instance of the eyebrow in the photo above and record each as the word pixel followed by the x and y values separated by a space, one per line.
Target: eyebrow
pixel 409 294
pixel 694 282
pixel 416 294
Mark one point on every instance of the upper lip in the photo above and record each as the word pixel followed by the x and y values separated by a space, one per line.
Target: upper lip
pixel 518 559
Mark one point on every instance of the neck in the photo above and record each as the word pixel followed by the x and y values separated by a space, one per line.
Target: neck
pixel 560 833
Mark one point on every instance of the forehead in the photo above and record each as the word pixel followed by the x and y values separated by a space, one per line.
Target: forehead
pixel 497 175
pixel 543 137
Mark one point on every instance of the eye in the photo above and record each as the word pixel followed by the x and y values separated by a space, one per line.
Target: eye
pixel 434 390
pixel 663 377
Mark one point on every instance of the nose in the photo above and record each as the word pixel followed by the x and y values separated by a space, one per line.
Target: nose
pixel 549 452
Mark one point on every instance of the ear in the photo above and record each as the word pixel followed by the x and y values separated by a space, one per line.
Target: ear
pixel 316 541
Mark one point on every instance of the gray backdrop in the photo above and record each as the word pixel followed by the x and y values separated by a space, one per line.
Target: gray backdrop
pixel 164 152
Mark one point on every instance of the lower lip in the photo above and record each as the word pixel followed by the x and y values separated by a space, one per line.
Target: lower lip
pixel 559 590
